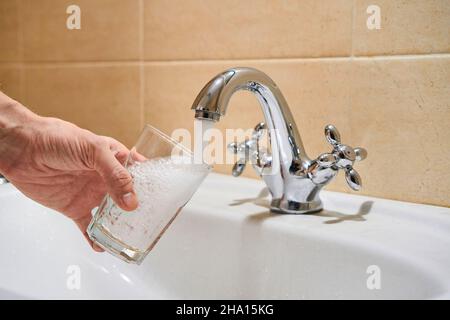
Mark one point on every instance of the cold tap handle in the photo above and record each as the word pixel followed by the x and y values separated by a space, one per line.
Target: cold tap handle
pixel 353 179
pixel 332 134
pixel 360 153
pixel 342 157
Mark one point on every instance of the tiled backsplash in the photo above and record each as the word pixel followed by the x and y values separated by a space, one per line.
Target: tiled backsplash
pixel 144 61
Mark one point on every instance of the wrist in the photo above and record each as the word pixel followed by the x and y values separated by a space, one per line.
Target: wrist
pixel 15 122
pixel 13 114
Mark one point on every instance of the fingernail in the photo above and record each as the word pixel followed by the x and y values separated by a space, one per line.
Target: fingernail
pixel 129 200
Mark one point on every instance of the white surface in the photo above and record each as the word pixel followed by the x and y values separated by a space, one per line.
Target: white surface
pixel 226 245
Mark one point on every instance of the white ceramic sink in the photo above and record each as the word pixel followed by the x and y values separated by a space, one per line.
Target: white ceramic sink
pixel 226 244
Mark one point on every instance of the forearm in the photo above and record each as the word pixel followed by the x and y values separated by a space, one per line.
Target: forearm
pixel 14 117
pixel 13 114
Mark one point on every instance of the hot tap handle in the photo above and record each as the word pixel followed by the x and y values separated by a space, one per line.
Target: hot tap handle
pixel 246 149
pixel 241 149
pixel 238 167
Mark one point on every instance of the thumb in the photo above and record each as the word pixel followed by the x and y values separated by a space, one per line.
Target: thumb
pixel 118 180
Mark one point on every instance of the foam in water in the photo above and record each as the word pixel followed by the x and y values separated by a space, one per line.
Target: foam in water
pixel 163 187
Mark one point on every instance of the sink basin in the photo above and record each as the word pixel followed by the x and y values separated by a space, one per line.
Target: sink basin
pixel 226 245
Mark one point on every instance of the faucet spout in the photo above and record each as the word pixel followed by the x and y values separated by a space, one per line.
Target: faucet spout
pixel 294 180
pixel 212 103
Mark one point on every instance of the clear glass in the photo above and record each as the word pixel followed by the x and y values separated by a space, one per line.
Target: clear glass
pixel 165 177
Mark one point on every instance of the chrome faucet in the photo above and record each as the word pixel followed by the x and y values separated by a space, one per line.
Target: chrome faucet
pixel 293 179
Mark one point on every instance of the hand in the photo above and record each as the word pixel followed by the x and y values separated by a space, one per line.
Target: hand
pixel 66 168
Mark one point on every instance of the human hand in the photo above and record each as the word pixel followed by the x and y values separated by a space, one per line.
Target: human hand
pixel 65 168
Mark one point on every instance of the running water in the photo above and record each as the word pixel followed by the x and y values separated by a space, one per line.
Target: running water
pixel 163 186
pixel 201 127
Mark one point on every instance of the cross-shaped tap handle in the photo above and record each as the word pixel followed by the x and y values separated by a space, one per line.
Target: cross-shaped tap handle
pixel 342 157
pixel 249 150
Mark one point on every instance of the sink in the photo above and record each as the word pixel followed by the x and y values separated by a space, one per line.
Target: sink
pixel 226 245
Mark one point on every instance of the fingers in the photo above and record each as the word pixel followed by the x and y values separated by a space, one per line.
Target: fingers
pixel 83 224
pixel 121 152
pixel 136 156
pixel 118 181
pixel 118 149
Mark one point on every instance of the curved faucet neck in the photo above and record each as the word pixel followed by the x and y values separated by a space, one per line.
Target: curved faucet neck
pixel 212 102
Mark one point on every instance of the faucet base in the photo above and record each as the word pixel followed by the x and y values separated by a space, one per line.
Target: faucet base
pixel 293 207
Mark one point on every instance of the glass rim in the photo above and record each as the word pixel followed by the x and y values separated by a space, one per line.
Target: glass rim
pixel 172 141
pixel 166 137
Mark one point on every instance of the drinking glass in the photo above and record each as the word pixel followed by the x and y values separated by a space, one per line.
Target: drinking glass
pixel 165 177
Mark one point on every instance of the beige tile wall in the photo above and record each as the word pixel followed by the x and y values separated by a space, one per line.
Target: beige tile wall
pixel 110 30
pixel 254 29
pixel 105 99
pixel 9 31
pixel 408 27
pixel 11 80
pixel 139 61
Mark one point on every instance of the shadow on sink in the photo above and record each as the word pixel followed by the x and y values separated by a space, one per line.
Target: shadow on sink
pixel 262 200
pixel 364 209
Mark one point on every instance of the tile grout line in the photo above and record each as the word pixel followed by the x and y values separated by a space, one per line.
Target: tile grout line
pixel 352 33
pixel 141 65
pixel 49 64
pixel 21 44
pixel 352 62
